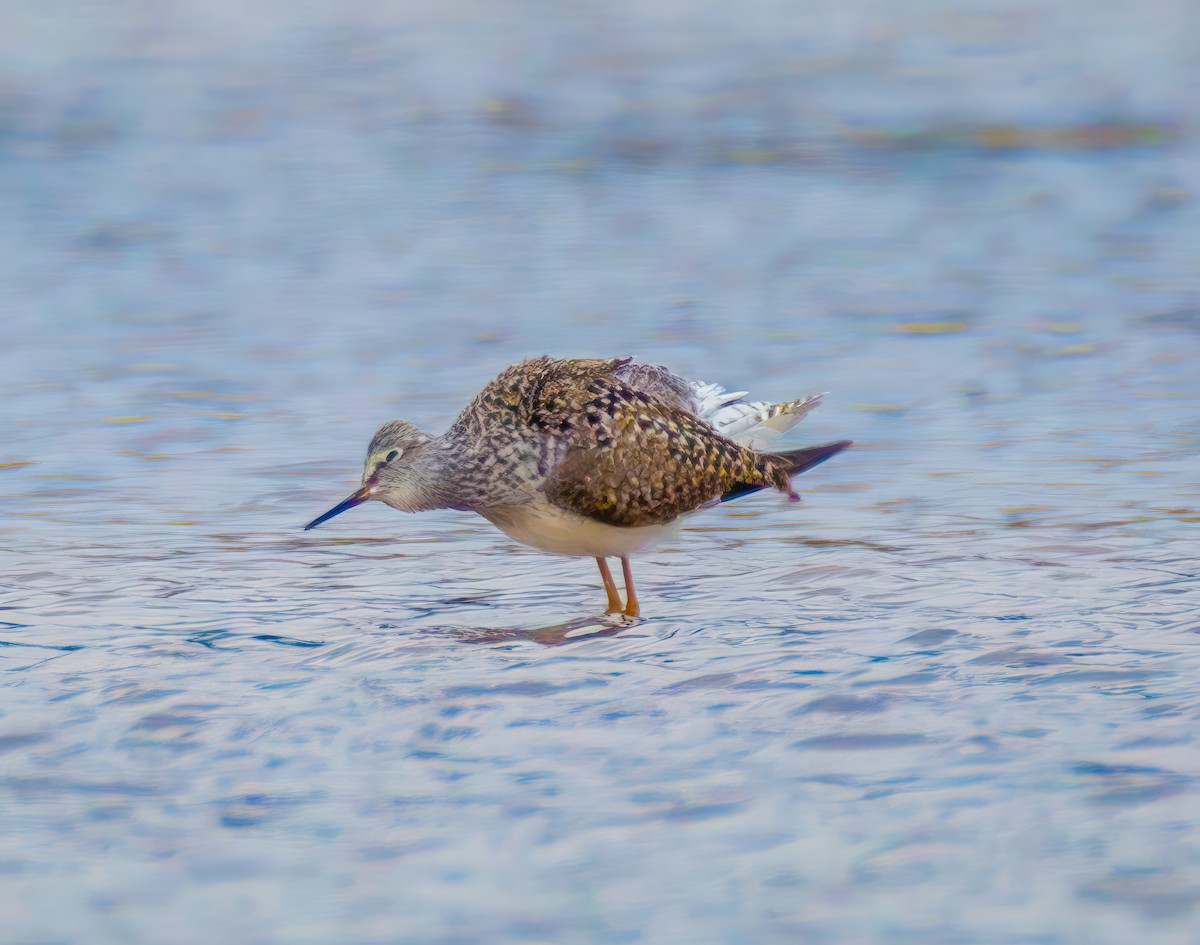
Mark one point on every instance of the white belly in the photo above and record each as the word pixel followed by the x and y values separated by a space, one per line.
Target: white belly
pixel 562 532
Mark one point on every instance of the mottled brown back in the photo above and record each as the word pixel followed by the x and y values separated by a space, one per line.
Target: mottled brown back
pixel 610 450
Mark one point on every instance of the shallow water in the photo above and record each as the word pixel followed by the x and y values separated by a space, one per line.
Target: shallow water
pixel 951 698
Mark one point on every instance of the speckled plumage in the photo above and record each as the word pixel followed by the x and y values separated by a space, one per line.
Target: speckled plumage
pixel 587 457
pixel 614 444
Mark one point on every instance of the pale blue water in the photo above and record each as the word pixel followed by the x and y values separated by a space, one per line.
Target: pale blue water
pixel 952 698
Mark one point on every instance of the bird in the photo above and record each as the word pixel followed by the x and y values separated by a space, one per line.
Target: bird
pixel 589 457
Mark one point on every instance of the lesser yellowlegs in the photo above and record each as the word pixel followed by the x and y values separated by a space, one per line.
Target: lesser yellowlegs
pixel 593 458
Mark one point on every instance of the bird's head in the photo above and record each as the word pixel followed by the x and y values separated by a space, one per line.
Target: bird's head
pixel 387 471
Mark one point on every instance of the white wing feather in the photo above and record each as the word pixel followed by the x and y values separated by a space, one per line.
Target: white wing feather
pixel 756 424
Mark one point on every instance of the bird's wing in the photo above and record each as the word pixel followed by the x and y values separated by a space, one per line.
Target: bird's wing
pixel 659 383
pixel 628 458
pixel 758 424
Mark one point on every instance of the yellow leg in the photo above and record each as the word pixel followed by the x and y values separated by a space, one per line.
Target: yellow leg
pixel 632 608
pixel 610 587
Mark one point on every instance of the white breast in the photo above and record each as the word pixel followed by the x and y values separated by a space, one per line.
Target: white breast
pixel 562 532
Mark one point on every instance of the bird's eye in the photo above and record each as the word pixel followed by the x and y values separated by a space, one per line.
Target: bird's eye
pixel 392 455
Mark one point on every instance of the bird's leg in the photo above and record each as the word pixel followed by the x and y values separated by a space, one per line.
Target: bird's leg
pixel 610 588
pixel 632 608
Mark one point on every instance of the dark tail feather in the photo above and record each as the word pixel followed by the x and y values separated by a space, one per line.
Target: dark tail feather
pixel 801 461
pixel 805 459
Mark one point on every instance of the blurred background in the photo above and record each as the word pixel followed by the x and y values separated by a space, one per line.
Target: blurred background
pixel 951 698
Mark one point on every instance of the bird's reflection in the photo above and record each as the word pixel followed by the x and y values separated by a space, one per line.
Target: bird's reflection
pixel 581 628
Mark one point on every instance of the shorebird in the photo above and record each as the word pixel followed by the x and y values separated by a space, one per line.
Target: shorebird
pixel 591 458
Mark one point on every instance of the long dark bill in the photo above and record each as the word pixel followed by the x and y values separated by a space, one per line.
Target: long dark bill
pixel 358 498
